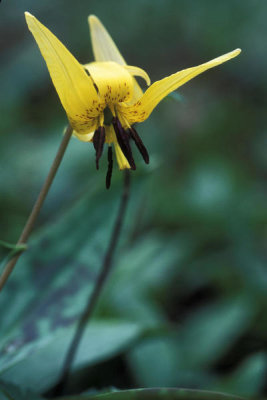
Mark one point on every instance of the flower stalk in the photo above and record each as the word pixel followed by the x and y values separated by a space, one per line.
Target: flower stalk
pixel 37 206
pixel 97 290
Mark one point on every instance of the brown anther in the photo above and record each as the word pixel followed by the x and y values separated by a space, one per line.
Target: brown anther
pixel 123 140
pixel 98 141
pixel 110 167
pixel 139 144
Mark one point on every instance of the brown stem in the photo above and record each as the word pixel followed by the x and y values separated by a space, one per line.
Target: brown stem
pixel 94 296
pixel 37 206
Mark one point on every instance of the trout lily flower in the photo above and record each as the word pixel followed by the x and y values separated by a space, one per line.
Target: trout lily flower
pixel 102 99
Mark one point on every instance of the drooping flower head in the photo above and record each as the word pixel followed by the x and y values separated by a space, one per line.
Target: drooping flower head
pixel 102 99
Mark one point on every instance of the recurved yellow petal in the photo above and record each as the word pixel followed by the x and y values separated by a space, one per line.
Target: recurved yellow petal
pixel 156 92
pixel 105 49
pixel 74 87
pixel 135 71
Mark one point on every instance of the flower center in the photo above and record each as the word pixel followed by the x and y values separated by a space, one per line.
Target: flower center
pixel 114 84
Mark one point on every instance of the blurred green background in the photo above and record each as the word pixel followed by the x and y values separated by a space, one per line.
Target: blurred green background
pixel 188 292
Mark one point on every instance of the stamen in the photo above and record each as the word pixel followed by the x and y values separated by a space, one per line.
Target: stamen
pixel 123 140
pixel 99 140
pixel 139 144
pixel 110 167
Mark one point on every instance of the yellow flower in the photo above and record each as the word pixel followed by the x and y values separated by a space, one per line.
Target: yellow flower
pixel 102 99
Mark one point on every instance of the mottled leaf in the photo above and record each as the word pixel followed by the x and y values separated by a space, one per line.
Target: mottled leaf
pixel 157 394
pixel 8 391
pixel 48 290
pixel 38 366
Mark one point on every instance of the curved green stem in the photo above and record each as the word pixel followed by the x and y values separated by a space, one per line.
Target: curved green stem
pixel 37 206
pixel 97 290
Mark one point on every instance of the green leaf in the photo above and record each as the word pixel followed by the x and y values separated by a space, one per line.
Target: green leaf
pixel 249 378
pixel 37 366
pixel 18 247
pixel 51 283
pixel 155 362
pixel 157 394
pixel 210 332
pixel 144 267
pixel 184 358
pixel 15 249
pixel 8 391
pixel 51 280
pixel 48 290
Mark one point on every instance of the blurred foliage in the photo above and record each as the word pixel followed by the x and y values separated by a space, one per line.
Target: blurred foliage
pixel 156 394
pixel 9 391
pixel 186 303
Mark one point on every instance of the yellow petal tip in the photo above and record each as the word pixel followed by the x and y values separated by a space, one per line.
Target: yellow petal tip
pixel 28 15
pixel 237 51
pixel 29 18
pixel 233 53
pixel 93 19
